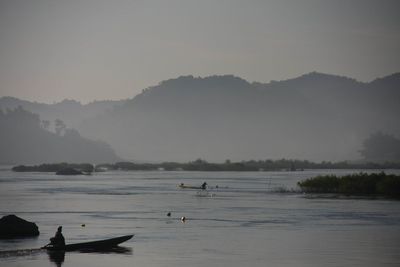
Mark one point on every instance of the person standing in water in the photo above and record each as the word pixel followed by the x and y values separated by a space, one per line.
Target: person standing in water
pixel 58 240
pixel 204 186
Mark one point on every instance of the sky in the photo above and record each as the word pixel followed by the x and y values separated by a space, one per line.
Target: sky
pixel 89 50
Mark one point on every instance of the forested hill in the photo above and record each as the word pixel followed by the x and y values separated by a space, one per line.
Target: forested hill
pixel 24 139
pixel 315 116
pixel 71 112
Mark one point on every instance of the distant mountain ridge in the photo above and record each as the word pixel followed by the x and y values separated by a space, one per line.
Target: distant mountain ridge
pixel 70 111
pixel 315 116
pixel 25 139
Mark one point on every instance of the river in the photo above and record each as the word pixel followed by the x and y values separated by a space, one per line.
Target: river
pixel 242 220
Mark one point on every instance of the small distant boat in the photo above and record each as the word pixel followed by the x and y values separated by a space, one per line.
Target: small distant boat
pixel 189 186
pixel 202 187
pixel 93 245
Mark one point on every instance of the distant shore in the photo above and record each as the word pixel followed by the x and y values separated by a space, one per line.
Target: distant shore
pixel 202 165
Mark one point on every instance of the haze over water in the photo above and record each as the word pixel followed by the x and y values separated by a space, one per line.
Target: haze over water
pixel 99 81
pixel 244 222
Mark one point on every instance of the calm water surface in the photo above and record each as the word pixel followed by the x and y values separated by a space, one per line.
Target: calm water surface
pixel 243 222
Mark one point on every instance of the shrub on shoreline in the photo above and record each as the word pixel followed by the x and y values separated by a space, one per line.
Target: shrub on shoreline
pixel 55 167
pixel 355 184
pixel 202 165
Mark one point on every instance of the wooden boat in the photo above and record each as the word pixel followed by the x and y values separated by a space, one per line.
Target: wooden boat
pixel 202 187
pixel 93 245
pixel 189 186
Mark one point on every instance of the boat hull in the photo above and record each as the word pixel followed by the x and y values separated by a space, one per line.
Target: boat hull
pixel 93 245
pixel 189 187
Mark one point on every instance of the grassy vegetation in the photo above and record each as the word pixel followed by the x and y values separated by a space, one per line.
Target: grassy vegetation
pixel 55 167
pixel 251 165
pixel 202 165
pixel 379 184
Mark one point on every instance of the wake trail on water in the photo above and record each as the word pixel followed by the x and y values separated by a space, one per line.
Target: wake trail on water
pixel 20 252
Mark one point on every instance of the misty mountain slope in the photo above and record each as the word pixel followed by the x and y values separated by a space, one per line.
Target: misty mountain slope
pixel 69 111
pixel 330 92
pixel 383 101
pixel 361 106
pixel 315 116
pixel 385 92
pixel 23 140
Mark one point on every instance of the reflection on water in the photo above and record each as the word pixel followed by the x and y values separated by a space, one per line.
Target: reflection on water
pixel 58 257
pixel 113 250
pixel 19 253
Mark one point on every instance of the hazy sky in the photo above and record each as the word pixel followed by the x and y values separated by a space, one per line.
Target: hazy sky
pixel 96 49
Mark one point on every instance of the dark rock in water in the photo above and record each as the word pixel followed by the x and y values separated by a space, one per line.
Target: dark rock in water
pixel 69 171
pixel 12 226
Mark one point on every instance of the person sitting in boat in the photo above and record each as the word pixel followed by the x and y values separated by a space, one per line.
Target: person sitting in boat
pixel 58 240
pixel 204 186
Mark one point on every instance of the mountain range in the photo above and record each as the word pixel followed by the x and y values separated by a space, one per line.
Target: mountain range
pixel 25 139
pixel 315 116
pixel 71 112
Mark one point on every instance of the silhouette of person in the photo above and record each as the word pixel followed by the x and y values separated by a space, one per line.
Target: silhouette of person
pixel 58 240
pixel 204 186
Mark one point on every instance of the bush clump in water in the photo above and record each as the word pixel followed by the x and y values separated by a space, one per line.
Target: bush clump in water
pixel 354 184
